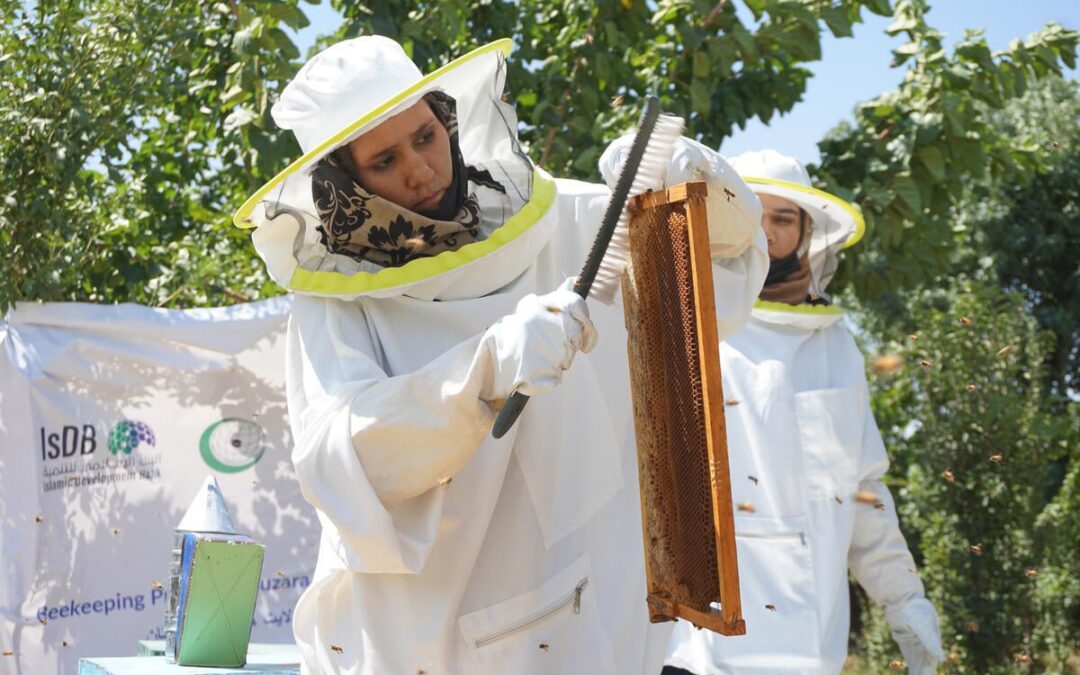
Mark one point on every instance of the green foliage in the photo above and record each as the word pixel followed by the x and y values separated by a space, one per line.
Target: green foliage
pixel 911 154
pixel 581 67
pixel 133 130
pixel 969 426
pixel 120 161
pixel 1027 231
pixel 122 158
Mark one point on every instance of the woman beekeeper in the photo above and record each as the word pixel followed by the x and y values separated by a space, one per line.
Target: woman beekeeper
pixel 806 459
pixel 416 235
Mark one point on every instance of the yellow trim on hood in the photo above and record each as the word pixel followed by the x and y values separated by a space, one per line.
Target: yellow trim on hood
pixel 421 269
pixel 851 210
pixel 242 218
pixel 822 310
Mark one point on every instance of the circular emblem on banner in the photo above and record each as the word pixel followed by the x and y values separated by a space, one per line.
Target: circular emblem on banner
pixel 232 445
pixel 128 435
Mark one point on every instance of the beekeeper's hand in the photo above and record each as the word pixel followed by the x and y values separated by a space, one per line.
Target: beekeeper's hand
pixel 915 628
pixel 733 210
pixel 530 349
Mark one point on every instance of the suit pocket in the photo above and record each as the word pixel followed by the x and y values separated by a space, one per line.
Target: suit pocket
pixel 779 597
pixel 554 628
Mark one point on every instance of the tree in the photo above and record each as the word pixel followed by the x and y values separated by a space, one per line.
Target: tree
pixel 118 154
pixel 582 68
pixel 910 155
pixel 1013 241
pixel 1027 231
pixel 968 426
pixel 122 158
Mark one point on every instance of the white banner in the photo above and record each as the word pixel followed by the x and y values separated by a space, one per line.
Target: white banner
pixel 111 417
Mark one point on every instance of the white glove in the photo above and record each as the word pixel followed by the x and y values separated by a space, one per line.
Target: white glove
pixel 915 628
pixel 734 211
pixel 532 347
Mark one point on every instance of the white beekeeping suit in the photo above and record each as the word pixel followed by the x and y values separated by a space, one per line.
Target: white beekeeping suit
pixel 444 550
pixel 806 463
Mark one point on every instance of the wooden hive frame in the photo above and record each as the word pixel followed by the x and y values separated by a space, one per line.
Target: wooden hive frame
pixel 687 517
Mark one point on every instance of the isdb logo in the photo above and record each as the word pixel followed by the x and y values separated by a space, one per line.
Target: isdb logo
pixel 128 435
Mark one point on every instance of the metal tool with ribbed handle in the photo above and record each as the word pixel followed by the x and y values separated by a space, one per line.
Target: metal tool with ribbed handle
pixel 619 196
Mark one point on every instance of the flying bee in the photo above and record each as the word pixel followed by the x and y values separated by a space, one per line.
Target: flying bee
pixel 977 549
pixel 926 365
pixel 896 664
pixel 8 652
pixel 731 401
pixel 1003 351
pixel 1022 657
pixel 838 500
pixel 971 387
pixel 337 648
pixel 617 101
pixel 446 481
pixel 1031 573
pixel 948 475
pixel 156 585
pixel 886 363
pixel 747 507
pixel 39 519
pixel 281 574
pixel 997 459
pixel 914 337
pixel 116 531
pixel 964 321
pixel 771 608
pixel 753 478
pixel 544 646
pixel 973 626
pixel 866 497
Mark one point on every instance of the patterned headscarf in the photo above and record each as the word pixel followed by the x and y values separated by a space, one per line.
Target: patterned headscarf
pixel 364 226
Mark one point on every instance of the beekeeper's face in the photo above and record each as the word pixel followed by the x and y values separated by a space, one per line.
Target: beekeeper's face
pixel 406 159
pixel 782 220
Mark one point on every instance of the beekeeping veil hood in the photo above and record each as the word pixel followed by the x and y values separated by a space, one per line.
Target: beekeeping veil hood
pixel 835 224
pixel 351 88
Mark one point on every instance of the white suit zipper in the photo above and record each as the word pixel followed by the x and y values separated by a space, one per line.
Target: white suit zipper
pixel 573 597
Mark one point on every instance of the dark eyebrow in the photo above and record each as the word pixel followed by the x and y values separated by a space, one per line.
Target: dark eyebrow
pixel 378 155
pixel 785 211
pixel 424 128
pixel 421 130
